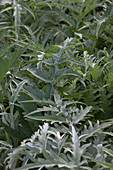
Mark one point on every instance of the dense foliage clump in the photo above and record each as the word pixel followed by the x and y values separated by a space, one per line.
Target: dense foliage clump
pixel 56 84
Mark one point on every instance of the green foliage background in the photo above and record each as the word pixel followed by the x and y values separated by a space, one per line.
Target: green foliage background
pixel 56 84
